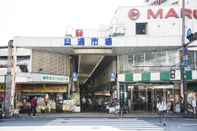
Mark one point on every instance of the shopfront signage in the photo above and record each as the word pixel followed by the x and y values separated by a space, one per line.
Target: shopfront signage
pixel 91 42
pixel 134 14
pixel 47 89
pixel 53 78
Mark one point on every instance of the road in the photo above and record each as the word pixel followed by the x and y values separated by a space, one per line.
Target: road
pixel 95 124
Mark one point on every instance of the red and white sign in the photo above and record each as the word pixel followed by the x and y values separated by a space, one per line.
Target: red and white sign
pixel 134 14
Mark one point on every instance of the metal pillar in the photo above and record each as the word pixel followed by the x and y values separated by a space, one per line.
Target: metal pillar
pixel 10 80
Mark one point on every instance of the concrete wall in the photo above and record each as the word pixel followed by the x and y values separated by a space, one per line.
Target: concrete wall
pixel 51 63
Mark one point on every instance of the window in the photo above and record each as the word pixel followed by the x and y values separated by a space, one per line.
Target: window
pixel 131 59
pixel 3 57
pixel 23 57
pixel 141 28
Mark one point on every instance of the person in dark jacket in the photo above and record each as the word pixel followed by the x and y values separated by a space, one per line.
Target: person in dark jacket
pixel 33 105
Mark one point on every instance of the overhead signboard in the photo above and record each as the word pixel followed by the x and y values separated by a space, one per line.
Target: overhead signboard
pixel 88 42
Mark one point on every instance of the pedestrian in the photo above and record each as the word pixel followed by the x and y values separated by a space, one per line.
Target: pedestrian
pixel 162 108
pixel 83 100
pixel 194 106
pixel 89 104
pixel 28 107
pixel 33 105
pixel 99 102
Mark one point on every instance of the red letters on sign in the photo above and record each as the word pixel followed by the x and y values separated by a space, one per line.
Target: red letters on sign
pixel 187 12
pixel 159 14
pixel 171 13
pixel 195 14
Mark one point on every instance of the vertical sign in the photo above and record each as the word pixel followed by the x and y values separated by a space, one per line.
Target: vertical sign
pixel 113 76
pixel 75 76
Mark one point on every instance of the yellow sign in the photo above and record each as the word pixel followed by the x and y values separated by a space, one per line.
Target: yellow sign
pixel 45 89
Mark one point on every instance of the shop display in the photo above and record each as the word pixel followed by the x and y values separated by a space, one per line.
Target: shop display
pixel 72 105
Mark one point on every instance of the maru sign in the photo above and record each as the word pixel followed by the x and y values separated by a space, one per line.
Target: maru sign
pixel 134 14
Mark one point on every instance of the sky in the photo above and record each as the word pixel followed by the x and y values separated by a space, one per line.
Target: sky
pixel 52 17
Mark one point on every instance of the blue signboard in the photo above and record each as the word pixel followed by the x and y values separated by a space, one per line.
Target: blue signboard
pixel 94 41
pixel 81 41
pixel 67 41
pixel 108 41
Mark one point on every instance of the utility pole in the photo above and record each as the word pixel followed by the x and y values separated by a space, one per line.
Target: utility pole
pixel 184 56
pixel 10 80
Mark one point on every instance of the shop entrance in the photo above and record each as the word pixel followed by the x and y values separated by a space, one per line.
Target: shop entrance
pixel 143 98
pixel 96 81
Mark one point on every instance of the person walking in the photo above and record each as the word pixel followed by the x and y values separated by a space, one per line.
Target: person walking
pixel 83 100
pixel 162 108
pixel 33 105
pixel 194 106
pixel 89 104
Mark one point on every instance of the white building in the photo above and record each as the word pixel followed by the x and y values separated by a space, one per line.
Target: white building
pixel 146 42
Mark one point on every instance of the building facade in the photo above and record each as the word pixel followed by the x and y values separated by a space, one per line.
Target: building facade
pixel 141 48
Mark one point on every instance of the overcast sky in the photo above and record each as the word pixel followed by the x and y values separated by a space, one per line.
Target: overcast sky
pixel 52 17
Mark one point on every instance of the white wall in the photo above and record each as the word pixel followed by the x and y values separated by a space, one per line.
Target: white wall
pixel 19 52
pixel 161 32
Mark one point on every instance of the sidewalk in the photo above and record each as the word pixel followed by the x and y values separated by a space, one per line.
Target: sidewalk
pixel 97 115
